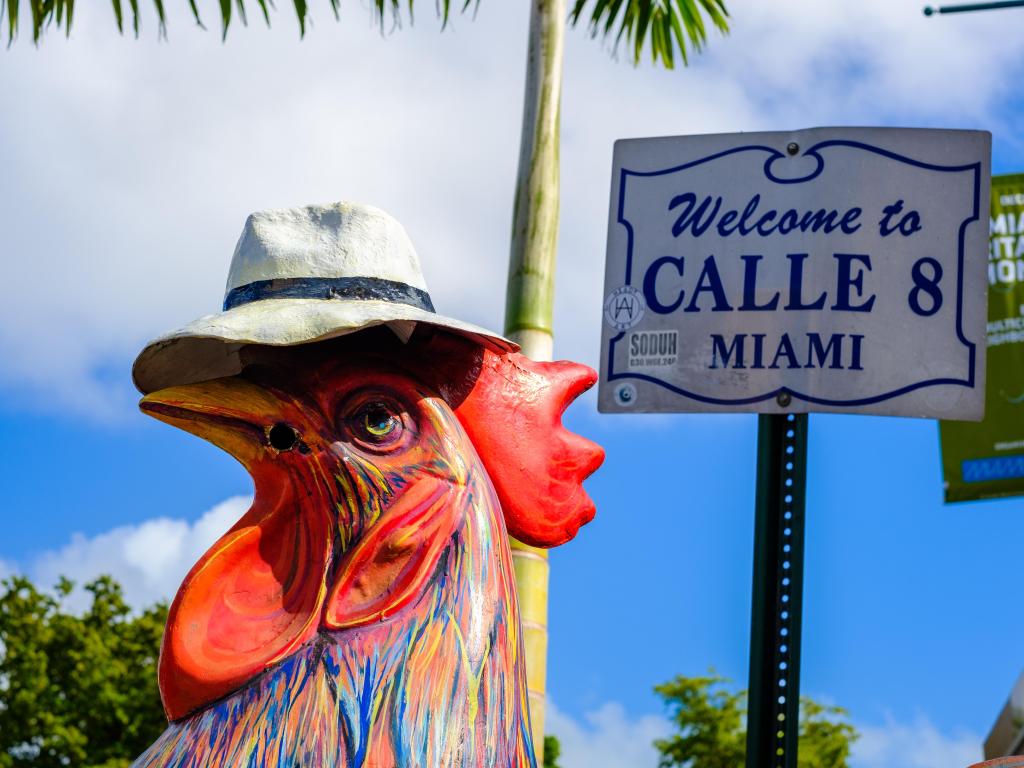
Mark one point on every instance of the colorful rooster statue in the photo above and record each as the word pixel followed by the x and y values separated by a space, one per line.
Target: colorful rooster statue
pixel 362 613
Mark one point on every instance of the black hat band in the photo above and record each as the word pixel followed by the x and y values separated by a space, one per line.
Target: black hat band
pixel 345 288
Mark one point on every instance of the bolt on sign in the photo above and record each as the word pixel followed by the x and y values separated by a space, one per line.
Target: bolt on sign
pixel 987 459
pixel 831 269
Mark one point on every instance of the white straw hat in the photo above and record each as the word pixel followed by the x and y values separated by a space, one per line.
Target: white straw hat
pixel 301 275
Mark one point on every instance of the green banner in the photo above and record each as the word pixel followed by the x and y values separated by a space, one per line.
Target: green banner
pixel 986 459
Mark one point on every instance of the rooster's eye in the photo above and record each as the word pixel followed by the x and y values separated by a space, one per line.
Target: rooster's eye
pixel 377 424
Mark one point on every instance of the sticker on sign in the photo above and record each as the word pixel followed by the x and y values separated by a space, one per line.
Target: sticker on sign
pixel 831 269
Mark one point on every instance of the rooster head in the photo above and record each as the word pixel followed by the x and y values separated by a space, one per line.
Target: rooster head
pixel 360 449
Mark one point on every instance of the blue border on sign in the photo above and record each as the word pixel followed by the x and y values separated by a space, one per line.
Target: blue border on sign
pixel 773 155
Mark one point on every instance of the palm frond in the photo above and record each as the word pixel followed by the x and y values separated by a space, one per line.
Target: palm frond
pixel 670 28
pixel 60 13
pixel 393 9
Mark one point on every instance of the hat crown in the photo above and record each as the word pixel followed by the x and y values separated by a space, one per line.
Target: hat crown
pixel 339 240
pixel 302 275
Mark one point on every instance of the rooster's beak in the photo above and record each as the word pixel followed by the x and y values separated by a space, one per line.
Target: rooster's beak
pixel 232 413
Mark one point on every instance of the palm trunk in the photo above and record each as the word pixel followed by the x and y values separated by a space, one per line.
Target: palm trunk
pixel 530 297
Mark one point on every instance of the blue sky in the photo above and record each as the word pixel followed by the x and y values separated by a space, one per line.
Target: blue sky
pixel 128 168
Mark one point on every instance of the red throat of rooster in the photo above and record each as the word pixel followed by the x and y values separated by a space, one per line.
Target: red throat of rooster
pixel 267 586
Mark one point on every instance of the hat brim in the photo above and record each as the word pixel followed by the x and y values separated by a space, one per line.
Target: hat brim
pixel 208 348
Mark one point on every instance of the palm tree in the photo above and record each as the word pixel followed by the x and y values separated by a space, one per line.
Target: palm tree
pixel 667 28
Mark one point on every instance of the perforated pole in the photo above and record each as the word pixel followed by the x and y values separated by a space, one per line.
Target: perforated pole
pixel 774 690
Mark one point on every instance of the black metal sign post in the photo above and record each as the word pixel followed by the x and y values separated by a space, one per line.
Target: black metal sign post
pixel 774 689
pixel 970 7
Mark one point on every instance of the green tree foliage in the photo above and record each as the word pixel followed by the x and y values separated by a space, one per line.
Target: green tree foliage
pixel 76 690
pixel 552 751
pixel 667 27
pixel 711 727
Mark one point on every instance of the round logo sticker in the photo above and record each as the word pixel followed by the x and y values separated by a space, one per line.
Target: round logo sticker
pixel 625 395
pixel 624 308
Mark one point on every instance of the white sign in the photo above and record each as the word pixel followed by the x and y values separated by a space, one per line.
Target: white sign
pixel 832 269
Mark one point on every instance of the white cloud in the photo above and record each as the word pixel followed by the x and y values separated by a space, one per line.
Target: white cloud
pixel 917 744
pixel 608 737
pixel 129 166
pixel 149 559
pixel 871 60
